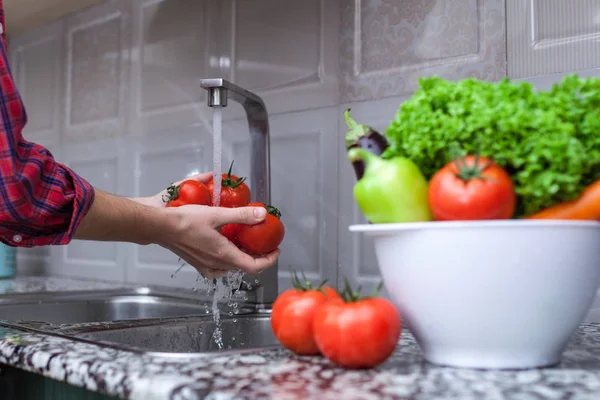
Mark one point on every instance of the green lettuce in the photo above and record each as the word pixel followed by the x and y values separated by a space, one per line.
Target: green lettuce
pixel 548 141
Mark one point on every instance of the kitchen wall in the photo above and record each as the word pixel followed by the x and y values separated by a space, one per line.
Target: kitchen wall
pixel 114 92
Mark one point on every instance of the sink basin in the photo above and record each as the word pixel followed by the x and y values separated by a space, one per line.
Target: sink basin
pixel 102 307
pixel 141 320
pixel 186 336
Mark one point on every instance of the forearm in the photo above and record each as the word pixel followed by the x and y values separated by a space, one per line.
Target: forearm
pixel 114 218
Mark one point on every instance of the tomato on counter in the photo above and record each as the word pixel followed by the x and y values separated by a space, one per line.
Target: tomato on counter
pixel 293 312
pixel 355 332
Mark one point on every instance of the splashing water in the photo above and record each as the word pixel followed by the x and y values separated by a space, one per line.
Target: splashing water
pixel 223 289
pixel 174 274
pixel 217 152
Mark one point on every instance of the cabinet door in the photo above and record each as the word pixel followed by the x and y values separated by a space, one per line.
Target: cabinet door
pixel 36 61
pixel 157 161
pixel 96 93
pixel 386 46
pixel 552 36
pixel 168 61
pixel 103 168
pixel 285 51
pixel 95 121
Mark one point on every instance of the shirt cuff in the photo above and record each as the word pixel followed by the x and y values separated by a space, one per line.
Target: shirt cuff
pixel 82 200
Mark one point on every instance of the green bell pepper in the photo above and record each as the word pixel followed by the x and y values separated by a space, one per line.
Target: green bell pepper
pixel 391 190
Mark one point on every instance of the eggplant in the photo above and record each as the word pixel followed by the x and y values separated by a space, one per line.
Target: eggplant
pixel 363 137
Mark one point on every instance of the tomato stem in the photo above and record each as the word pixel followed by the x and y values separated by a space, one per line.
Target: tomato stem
pixel 172 193
pixel 377 289
pixel 468 172
pixel 227 182
pixel 307 284
pixel 351 296
pixel 274 211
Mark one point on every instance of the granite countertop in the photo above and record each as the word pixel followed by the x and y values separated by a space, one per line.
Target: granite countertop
pixel 281 375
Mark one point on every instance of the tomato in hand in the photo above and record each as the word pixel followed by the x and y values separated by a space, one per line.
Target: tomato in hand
pixel 230 232
pixel 293 313
pixel 355 332
pixel 265 236
pixel 234 191
pixel 471 188
pixel 188 192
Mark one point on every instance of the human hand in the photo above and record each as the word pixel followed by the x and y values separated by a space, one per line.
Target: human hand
pixel 158 201
pixel 193 234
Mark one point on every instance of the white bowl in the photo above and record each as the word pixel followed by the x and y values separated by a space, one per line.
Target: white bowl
pixel 490 294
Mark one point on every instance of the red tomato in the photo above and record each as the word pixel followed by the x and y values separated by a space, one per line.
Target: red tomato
pixel 471 188
pixel 293 314
pixel 188 192
pixel 357 333
pixel 230 232
pixel 264 237
pixel 234 192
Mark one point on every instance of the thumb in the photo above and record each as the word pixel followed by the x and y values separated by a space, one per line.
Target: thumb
pixel 241 215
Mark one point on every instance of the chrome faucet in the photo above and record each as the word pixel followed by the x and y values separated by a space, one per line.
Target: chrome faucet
pixel 263 293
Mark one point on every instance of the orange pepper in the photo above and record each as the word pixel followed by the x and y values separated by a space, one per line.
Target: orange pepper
pixel 585 207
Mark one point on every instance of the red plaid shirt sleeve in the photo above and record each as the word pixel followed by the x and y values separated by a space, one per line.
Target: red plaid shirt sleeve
pixel 42 202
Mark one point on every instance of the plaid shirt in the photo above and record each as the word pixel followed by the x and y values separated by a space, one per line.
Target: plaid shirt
pixel 42 201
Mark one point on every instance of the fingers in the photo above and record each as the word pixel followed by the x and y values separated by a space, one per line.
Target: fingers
pixel 248 263
pixel 212 273
pixel 241 215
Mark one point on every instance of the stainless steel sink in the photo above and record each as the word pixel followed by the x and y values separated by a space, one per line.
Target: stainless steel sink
pixel 142 320
pixel 103 306
pixel 186 336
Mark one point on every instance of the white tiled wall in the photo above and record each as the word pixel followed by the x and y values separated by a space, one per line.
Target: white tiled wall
pixel 114 92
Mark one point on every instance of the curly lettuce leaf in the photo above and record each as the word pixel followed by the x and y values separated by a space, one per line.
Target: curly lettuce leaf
pixel 548 141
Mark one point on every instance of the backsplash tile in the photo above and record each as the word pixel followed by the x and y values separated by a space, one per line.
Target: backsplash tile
pixel 119 98
pixel 386 45
pixel 552 36
pixel 97 64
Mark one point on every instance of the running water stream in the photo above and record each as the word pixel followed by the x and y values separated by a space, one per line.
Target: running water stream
pixel 222 288
pixel 219 292
pixel 217 152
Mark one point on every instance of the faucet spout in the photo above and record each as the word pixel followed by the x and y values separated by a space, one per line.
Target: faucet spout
pixel 219 91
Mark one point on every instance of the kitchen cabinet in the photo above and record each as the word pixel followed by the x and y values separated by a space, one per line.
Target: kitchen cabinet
pixel 286 51
pixel 386 46
pixel 231 39
pixel 31 14
pixel 151 164
pixel 168 61
pixel 552 36
pixel 35 58
pixel 36 63
pixel 19 384
pixel 103 168
pixel 96 66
